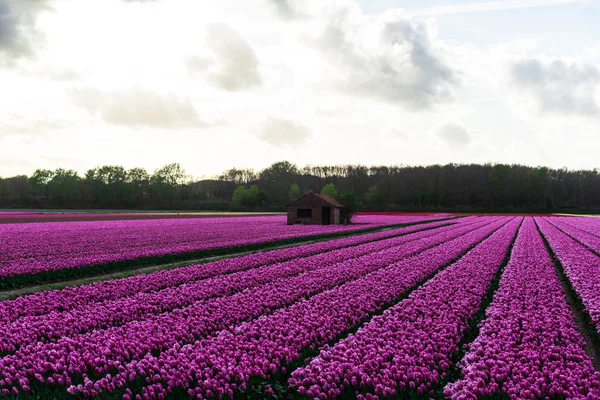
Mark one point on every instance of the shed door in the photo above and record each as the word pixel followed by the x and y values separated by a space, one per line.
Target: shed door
pixel 326 216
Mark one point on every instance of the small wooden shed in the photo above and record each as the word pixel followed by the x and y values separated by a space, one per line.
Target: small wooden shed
pixel 314 209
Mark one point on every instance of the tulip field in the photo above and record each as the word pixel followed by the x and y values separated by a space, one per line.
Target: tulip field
pixel 477 307
pixel 37 252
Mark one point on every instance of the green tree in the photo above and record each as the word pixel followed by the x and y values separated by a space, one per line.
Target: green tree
pixel 63 185
pixel 256 197
pixel 6 190
pixel 139 180
pixel 172 175
pixel 277 179
pixel 330 190
pixel 294 192
pixel 351 205
pixel 373 198
pixel 166 182
pixel 238 176
pixel 109 185
pixel 38 182
pixel 536 179
pixel 252 197
pixel 114 178
pixel 498 178
pixel 240 196
pixel 20 186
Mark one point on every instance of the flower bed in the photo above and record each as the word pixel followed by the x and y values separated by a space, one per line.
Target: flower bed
pixel 529 346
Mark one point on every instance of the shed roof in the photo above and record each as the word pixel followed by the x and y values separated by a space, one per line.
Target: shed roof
pixel 327 199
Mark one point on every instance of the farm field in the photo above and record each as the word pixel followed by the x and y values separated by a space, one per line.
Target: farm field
pixel 475 307
pixel 299 200
pixel 39 252
pixel 12 217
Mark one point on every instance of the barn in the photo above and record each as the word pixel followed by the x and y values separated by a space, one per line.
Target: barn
pixel 314 209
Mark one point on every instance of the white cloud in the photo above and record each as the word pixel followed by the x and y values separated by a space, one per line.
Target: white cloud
pixel 139 108
pixel 17 28
pixel 30 128
pixel 283 133
pixel 394 133
pixel 235 66
pixel 285 8
pixel 456 135
pixel 389 58
pixel 66 74
pixel 330 75
pixel 487 6
pixel 558 87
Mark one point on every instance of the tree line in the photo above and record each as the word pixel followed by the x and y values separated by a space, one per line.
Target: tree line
pixel 468 187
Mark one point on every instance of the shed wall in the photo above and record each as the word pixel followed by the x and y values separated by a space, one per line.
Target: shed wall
pixel 316 205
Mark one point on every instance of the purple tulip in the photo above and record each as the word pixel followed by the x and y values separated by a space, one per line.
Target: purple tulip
pixel 263 347
pixel 528 346
pixel 580 264
pixel 93 315
pixel 215 330
pixel 30 248
pixel 73 354
pixel 75 297
pixel 410 346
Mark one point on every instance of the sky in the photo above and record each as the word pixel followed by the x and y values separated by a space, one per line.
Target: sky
pixel 245 83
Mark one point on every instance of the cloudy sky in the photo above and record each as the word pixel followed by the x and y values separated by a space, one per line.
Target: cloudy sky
pixel 220 84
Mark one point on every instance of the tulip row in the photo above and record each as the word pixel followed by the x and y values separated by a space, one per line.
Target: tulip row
pixel 260 349
pixel 589 225
pixel 528 346
pixel 31 217
pixel 410 348
pixel 581 266
pixel 583 237
pixel 75 297
pixel 56 325
pixel 102 351
pixel 12 217
pixel 70 248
